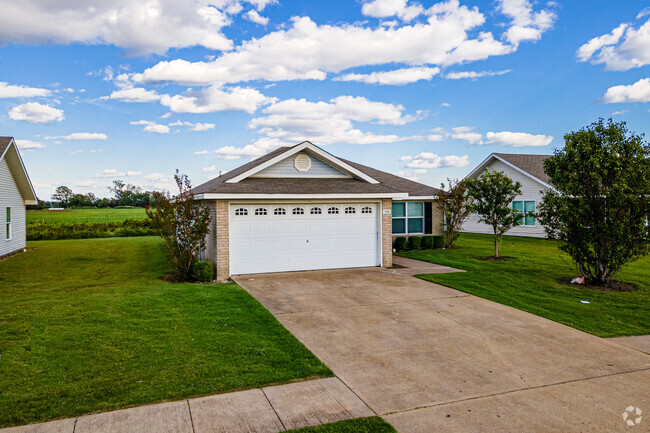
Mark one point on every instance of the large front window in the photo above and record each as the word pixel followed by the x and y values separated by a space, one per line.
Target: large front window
pixel 408 217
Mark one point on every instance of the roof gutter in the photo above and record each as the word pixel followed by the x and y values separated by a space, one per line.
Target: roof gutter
pixel 217 196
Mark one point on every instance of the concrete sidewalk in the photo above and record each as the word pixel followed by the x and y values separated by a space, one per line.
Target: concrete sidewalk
pixel 263 410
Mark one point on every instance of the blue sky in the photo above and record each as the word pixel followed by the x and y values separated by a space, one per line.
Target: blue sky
pixel 99 90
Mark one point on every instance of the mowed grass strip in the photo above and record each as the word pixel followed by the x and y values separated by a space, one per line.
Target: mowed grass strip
pixel 357 425
pixel 534 280
pixel 77 216
pixel 88 326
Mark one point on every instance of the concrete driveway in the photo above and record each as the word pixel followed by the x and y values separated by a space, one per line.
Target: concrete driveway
pixel 429 358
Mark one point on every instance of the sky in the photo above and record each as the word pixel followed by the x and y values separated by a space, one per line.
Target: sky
pixel 98 90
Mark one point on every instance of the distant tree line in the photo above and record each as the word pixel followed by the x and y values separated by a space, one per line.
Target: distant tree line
pixel 124 195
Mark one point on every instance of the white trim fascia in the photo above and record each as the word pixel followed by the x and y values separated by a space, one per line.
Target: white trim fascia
pixel 217 196
pixel 300 147
pixel 418 197
pixel 22 164
pixel 524 172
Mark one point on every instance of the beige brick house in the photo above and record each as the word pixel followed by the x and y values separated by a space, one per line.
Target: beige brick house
pixel 301 208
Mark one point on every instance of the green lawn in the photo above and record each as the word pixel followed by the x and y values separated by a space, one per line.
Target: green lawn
pixel 88 325
pixel 74 216
pixel 357 425
pixel 532 281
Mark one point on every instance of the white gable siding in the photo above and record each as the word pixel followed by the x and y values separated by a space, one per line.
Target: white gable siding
pixel 285 168
pixel 10 196
pixel 530 190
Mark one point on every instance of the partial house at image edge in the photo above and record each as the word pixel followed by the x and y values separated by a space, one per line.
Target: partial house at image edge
pixel 529 171
pixel 16 192
pixel 300 208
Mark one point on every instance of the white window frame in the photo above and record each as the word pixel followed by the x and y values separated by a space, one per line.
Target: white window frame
pixel 406 219
pixel 523 208
pixel 8 221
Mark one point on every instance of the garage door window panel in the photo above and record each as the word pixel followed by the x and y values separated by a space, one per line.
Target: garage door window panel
pixel 241 212
pixel 260 211
pixel 316 211
pixel 279 211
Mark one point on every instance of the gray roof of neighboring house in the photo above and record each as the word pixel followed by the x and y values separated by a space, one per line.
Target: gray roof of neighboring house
pixel 531 164
pixel 388 183
pixel 4 143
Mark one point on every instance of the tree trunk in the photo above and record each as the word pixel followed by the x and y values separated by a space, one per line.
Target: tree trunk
pixel 496 244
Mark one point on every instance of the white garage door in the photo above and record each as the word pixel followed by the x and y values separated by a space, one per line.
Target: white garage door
pixel 295 237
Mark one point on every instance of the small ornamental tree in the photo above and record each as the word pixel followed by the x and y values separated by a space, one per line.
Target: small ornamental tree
pixel 600 206
pixel 490 196
pixel 183 224
pixel 453 209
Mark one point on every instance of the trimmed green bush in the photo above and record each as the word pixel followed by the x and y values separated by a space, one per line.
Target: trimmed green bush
pixel 438 241
pixel 427 242
pixel 203 271
pixel 400 243
pixel 415 242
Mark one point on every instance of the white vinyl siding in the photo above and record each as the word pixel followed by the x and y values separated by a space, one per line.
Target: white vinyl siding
pixel 531 190
pixel 285 168
pixel 10 197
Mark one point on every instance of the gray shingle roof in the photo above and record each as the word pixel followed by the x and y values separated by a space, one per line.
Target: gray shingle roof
pixel 531 164
pixel 388 183
pixel 4 143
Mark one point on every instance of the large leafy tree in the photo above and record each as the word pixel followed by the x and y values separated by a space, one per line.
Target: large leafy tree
pixel 452 206
pixel 63 195
pixel 600 206
pixel 183 223
pixel 490 196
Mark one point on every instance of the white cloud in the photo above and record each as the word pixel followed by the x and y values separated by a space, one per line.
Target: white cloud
pixel 152 127
pixel 201 152
pixel 473 74
pixel 517 139
pixel 210 169
pixel 77 136
pixel 527 25
pixel 466 133
pixel 134 94
pixel 428 160
pixel 620 112
pixel 637 92
pixel 255 17
pixel 445 104
pixel 194 126
pixel 133 173
pixel 29 145
pixel 397 77
pixel 15 91
pixel 213 99
pixel 140 27
pixel 156 177
pixel 113 173
pixel 307 50
pixel 625 47
pixel 33 112
pixel 391 8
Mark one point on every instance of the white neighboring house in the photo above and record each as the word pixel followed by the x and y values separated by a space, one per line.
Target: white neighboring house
pixel 16 191
pixel 529 171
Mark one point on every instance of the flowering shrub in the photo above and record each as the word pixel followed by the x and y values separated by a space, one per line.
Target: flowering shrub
pixel 183 224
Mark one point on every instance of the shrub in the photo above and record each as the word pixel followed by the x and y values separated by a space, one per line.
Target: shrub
pixel 438 241
pixel 203 271
pixel 400 243
pixel 427 242
pixel 415 242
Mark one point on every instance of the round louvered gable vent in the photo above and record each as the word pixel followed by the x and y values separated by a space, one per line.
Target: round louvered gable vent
pixel 302 163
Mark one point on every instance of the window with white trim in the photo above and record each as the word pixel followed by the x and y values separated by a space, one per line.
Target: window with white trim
pixel 524 207
pixel 241 212
pixel 316 211
pixel 333 211
pixel 260 211
pixel 279 211
pixel 408 217
pixel 366 209
pixel 8 223
pixel 350 210
pixel 298 211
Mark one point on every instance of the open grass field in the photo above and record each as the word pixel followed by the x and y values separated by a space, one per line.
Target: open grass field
pixel 88 325
pixel 534 280
pixel 75 216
